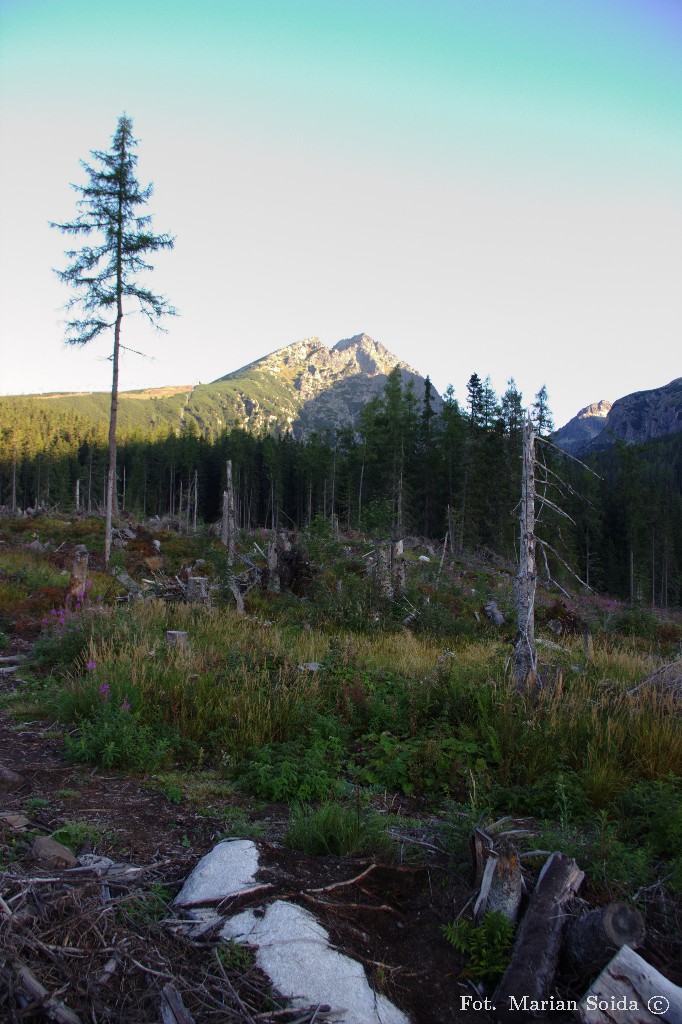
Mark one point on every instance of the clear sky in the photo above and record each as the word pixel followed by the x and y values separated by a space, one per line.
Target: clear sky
pixel 481 185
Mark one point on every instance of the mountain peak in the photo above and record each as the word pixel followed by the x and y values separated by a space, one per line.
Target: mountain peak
pixel 601 408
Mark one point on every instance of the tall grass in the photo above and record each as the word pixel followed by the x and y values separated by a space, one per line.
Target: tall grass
pixel 409 714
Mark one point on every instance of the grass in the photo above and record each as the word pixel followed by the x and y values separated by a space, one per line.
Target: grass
pixel 338 830
pixel 430 714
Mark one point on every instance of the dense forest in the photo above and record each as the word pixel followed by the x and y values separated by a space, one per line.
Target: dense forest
pixel 405 466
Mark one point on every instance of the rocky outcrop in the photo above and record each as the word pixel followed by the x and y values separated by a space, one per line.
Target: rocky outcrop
pixel 644 416
pixel 579 432
pixel 634 419
pixel 319 387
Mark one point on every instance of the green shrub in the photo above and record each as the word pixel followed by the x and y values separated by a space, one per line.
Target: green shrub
pixel 295 770
pixel 486 947
pixel 115 738
pixel 636 622
pixel 336 829
pixel 74 834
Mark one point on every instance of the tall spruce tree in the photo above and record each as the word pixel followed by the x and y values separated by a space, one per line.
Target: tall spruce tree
pixel 106 275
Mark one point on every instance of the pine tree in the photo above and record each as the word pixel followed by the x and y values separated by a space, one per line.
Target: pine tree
pixel 105 276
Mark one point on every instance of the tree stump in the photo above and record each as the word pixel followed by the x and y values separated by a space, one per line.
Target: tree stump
pixel 197 590
pixel 176 638
pixel 79 575
pixel 593 938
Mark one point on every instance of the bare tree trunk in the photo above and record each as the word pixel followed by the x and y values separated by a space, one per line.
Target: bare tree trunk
pixel 14 486
pixel 111 472
pixel 196 502
pixel 78 496
pixel 398 569
pixel 525 656
pixel 383 574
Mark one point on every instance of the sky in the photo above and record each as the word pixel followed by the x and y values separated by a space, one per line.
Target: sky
pixel 489 186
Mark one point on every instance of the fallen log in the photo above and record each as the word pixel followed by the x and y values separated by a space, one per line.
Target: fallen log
pixel 630 989
pixel 536 950
pixel 592 939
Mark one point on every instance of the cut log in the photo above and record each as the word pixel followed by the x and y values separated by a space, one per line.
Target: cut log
pixel 629 989
pixel 592 939
pixel 536 950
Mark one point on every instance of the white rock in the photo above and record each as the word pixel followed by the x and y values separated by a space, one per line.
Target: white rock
pixel 293 950
pixel 230 867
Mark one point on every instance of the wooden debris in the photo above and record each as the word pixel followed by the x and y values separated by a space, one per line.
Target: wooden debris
pixel 23 978
pixel 593 938
pixel 173 1010
pixel 536 950
pixel 631 989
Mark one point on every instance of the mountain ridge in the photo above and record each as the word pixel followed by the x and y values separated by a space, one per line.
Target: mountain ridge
pixel 300 388
pixel 635 419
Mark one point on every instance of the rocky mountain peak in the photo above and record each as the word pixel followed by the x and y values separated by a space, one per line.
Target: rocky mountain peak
pixel 602 408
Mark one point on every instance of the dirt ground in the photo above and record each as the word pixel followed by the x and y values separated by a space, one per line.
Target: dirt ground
pixel 390 920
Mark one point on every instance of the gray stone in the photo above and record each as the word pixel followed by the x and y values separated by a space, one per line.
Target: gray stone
pixel 230 867
pixel 294 952
pixel 14 820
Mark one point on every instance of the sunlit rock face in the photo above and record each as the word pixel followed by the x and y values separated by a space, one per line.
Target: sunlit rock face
pixel 577 434
pixel 324 388
pixel 634 419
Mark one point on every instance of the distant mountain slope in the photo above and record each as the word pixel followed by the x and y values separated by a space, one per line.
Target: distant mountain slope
pixel 577 434
pixel 635 419
pixel 298 389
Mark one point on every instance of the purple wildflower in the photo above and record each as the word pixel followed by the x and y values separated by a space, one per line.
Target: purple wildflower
pixel 91 666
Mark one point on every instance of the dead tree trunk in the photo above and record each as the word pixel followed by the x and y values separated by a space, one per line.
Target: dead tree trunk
pixel 593 938
pixel 536 950
pixel 383 571
pixel 398 569
pixel 525 657
pixel 273 575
